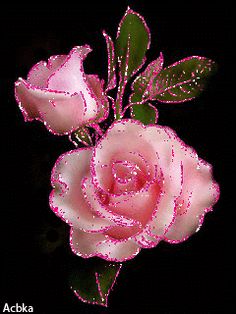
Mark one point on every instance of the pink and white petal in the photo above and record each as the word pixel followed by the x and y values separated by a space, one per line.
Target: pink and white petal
pixel 121 233
pixel 163 216
pixel 85 244
pixel 194 172
pixel 102 210
pixel 88 245
pixel 200 193
pixel 71 167
pixel 183 171
pixel 70 75
pixel 144 240
pixel 40 72
pixel 169 154
pixel 31 99
pixel 96 85
pixel 121 134
pixel 128 177
pixel 38 75
pixel 67 115
pixel 67 199
pixel 139 206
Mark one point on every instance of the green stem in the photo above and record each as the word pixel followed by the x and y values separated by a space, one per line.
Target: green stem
pixel 119 101
pixel 117 111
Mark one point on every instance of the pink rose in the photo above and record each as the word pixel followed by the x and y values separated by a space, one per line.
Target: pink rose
pixel 138 186
pixel 61 95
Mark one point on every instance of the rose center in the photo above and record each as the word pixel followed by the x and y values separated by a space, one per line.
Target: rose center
pixel 127 176
pixel 124 171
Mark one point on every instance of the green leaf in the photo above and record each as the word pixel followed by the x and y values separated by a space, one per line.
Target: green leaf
pixel 81 136
pixel 183 80
pixel 146 113
pixel 133 40
pixel 140 86
pixel 92 281
pixel 111 78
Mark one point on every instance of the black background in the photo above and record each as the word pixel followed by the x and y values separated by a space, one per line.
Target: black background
pixel 193 277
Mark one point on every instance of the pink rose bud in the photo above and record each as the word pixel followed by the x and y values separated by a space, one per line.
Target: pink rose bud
pixel 139 185
pixel 61 95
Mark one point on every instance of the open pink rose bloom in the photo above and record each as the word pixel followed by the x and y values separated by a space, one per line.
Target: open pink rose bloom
pixel 61 95
pixel 139 185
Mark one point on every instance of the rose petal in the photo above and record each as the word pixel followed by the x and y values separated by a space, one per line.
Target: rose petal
pixel 67 115
pixel 163 217
pixel 88 245
pixel 67 199
pixel 102 103
pixel 96 85
pixel 70 77
pixel 169 153
pixel 128 177
pixel 139 205
pixel 32 99
pixel 144 240
pixel 182 177
pixel 103 210
pixel 40 72
pixel 120 233
pixel 199 195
